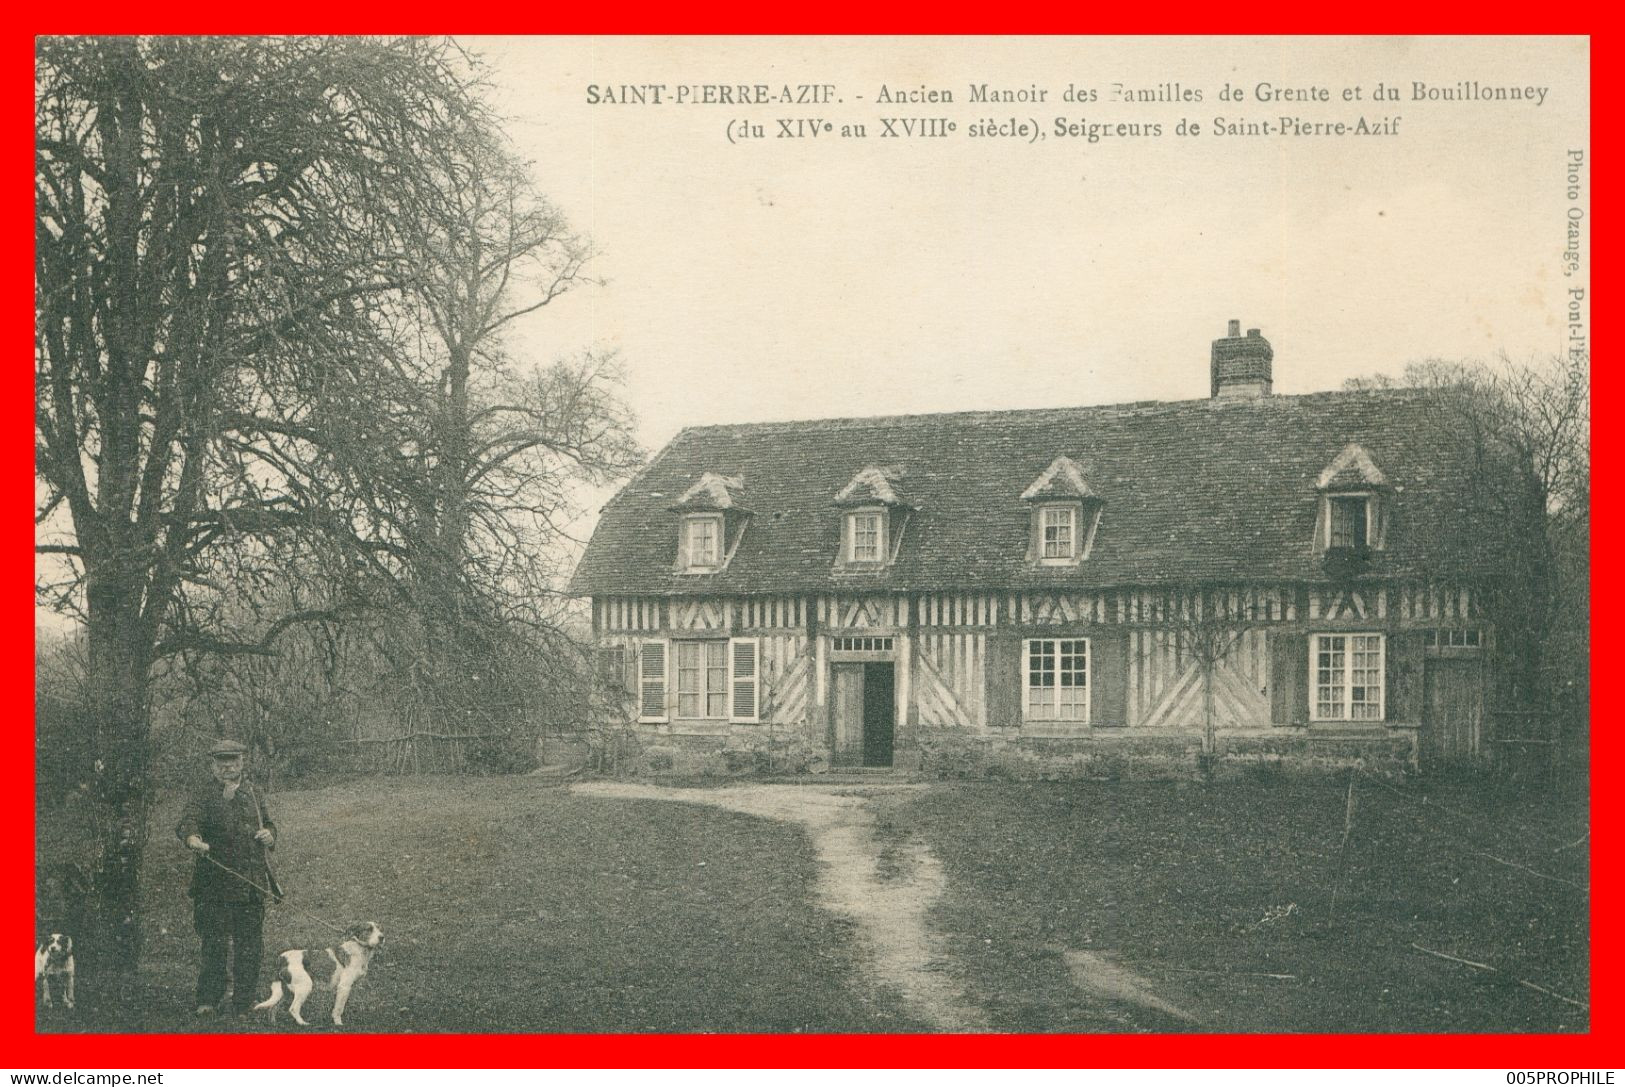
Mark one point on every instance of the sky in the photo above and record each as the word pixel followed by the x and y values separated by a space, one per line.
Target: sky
pixel 777 278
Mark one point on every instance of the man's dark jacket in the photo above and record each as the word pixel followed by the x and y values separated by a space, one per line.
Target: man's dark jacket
pixel 228 827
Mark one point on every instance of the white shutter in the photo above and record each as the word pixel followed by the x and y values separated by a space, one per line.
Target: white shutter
pixel 743 678
pixel 652 681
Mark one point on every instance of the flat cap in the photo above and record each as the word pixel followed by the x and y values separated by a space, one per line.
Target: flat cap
pixel 225 749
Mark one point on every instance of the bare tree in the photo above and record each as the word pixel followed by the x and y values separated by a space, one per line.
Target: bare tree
pixel 219 228
pixel 493 450
pixel 1527 428
pixel 1206 626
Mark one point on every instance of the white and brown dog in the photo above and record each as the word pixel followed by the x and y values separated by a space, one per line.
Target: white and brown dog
pixel 349 960
pixel 53 958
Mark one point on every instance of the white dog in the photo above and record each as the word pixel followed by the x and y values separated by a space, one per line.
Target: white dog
pixel 349 966
pixel 53 958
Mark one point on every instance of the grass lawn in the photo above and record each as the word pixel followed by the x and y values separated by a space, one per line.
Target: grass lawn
pixel 1200 889
pixel 513 907
pixel 509 907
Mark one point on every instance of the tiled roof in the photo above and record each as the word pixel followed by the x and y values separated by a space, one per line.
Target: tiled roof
pixel 1202 490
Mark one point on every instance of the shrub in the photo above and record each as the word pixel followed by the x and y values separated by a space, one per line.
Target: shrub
pixel 502 753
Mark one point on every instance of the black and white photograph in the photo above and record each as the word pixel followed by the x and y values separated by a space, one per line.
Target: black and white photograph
pixel 819 535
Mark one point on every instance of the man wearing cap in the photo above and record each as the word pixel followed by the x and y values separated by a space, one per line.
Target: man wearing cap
pixel 227 825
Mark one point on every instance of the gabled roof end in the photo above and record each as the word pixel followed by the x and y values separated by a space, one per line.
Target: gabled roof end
pixel 1353 467
pixel 712 492
pixel 1062 479
pixel 872 485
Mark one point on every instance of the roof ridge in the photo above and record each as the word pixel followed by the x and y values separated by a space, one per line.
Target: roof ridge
pixel 1126 408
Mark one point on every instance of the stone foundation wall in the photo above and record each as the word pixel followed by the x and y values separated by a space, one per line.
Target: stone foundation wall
pixel 741 753
pixel 1162 756
pixel 942 754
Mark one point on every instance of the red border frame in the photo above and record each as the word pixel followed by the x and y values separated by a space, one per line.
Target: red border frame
pixel 23 1048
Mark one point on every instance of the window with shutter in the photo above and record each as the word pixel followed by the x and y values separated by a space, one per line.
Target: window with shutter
pixel 744 681
pixel 652 681
pixel 702 680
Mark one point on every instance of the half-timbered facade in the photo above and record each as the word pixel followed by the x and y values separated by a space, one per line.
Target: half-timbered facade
pixel 1249 572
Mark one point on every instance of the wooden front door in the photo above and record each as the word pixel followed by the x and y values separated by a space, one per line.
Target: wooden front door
pixel 879 712
pixel 846 718
pixel 863 715
pixel 1452 710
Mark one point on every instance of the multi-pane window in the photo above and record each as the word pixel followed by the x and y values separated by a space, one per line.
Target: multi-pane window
pixel 1059 524
pixel 612 667
pixel 704 542
pixel 864 645
pixel 1057 679
pixel 1348 677
pixel 1453 639
pixel 702 679
pixel 864 532
pixel 1349 518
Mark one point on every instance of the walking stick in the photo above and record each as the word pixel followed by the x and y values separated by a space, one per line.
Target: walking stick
pixel 270 876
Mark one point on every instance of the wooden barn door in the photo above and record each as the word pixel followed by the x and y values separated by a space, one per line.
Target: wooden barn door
pixel 1452 711
pixel 846 720
pixel 864 719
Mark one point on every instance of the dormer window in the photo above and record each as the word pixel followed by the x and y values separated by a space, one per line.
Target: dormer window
pixel 710 524
pixel 873 519
pixel 1352 495
pixel 865 535
pixel 1065 514
pixel 702 541
pixel 1058 524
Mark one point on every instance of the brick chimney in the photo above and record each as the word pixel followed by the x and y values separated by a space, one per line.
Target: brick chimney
pixel 1241 364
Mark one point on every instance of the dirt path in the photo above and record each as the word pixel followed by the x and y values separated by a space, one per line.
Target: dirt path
pixel 889 907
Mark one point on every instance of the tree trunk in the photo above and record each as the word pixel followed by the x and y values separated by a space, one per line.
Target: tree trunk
pixel 458 654
pixel 1210 742
pixel 118 674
